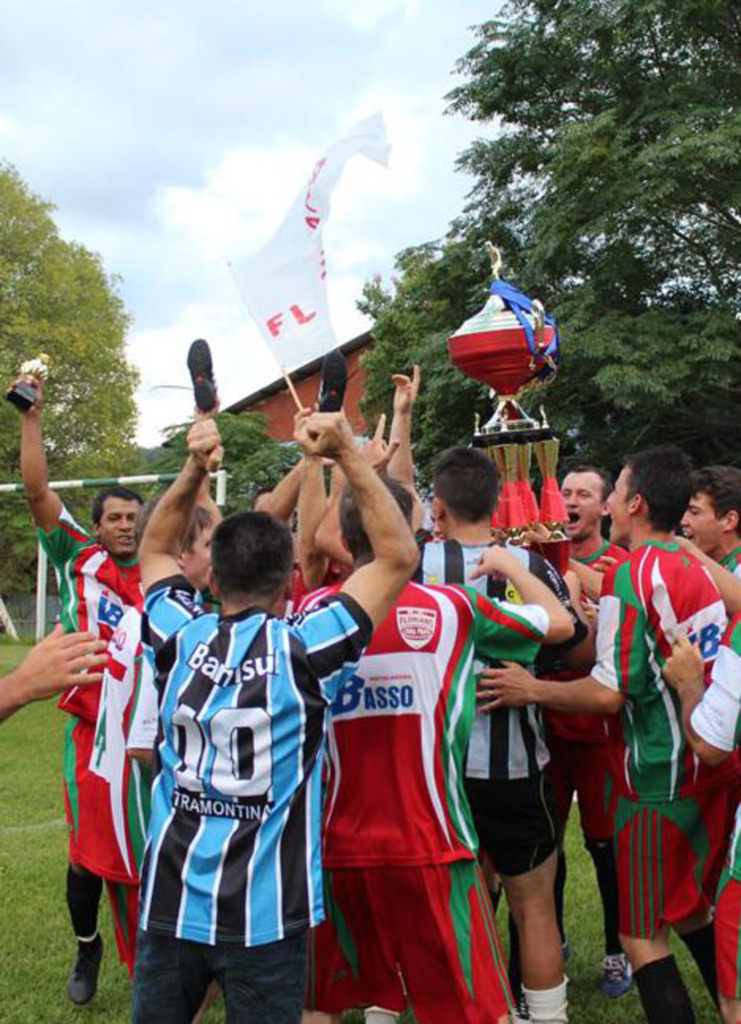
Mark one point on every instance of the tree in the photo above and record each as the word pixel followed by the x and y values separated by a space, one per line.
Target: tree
pixel 613 185
pixel 56 298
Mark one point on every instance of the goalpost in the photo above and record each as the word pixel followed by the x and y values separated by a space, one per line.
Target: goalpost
pixel 42 569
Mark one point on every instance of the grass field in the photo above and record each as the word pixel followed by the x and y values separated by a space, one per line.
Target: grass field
pixel 36 947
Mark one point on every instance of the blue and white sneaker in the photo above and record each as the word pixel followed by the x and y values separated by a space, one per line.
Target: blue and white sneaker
pixel 617 975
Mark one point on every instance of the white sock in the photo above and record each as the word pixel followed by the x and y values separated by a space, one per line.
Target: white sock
pixel 547 1005
pixel 375 1015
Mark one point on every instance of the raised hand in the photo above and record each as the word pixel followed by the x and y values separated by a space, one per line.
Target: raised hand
pixel 204 444
pixel 406 390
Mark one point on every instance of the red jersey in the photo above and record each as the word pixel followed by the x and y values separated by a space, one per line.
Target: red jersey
pixel 580 727
pixel 399 727
pixel 95 589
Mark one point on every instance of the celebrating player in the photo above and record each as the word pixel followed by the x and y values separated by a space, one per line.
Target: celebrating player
pixel 510 793
pixel 399 841
pixel 98 579
pixel 578 742
pixel 231 878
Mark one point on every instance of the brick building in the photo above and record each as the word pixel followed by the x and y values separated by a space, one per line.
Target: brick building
pixel 275 402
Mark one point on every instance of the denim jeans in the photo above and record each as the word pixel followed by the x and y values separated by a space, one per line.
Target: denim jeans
pixel 261 984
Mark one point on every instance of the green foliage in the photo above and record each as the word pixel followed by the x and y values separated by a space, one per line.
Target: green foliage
pixel 613 186
pixel 56 298
pixel 252 458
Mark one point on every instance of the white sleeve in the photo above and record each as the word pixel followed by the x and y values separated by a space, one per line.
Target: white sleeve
pixel 716 717
pixel 608 625
pixel 143 727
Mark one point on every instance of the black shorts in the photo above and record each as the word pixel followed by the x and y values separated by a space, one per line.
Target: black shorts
pixel 516 820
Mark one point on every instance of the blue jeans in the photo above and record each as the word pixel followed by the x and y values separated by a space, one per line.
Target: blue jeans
pixel 261 984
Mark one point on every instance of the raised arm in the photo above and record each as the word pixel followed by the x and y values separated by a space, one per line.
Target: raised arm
pixel 162 540
pixel 532 590
pixel 281 501
pixel 312 506
pixel 376 585
pixel 46 506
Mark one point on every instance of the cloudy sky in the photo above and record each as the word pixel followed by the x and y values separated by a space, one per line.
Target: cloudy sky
pixel 173 137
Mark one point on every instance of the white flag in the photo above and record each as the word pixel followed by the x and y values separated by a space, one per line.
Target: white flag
pixel 284 286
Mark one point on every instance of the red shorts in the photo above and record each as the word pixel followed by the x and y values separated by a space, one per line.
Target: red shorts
pixel 728 937
pixel 124 900
pixel 87 804
pixel 670 856
pixel 423 937
pixel 583 768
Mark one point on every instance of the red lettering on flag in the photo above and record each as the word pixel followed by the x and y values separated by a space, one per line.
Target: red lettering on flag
pixel 301 317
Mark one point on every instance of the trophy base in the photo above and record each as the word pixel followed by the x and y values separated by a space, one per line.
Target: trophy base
pixel 23 396
pixel 510 424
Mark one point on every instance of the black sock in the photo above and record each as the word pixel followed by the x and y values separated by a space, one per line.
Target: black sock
pixel 701 944
pixel 559 887
pixel 514 971
pixel 603 855
pixel 83 897
pixel 663 993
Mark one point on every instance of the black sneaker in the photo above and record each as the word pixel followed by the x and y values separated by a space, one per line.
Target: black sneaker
pixel 83 980
pixel 202 374
pixel 334 382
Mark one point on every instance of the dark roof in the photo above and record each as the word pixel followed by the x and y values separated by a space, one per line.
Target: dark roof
pixel 308 370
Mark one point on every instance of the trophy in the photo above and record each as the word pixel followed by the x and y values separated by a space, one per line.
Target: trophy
pixel 513 346
pixel 22 394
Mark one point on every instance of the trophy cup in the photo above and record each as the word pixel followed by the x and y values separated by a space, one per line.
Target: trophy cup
pixel 513 346
pixel 24 395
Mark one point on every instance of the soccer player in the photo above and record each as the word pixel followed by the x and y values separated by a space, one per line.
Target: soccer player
pixel 52 665
pixel 409 917
pixel 712 520
pixel 674 814
pixel 578 742
pixel 508 788
pixel 98 579
pixel 232 876
pixel 712 720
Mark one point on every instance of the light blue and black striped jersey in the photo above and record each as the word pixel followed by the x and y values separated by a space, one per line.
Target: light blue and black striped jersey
pixel 233 853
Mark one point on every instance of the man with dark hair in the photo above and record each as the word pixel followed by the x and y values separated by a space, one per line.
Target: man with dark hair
pixel 98 578
pixel 712 520
pixel 509 791
pixel 578 743
pixel 399 841
pixel 231 880
pixel 674 814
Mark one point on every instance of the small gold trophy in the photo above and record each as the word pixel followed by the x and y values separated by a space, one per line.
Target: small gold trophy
pixel 22 394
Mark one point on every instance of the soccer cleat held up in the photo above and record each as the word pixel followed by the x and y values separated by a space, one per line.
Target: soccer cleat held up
pixel 202 374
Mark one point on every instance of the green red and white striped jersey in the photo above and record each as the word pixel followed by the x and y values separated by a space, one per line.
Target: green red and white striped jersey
pixel 95 589
pixel 648 601
pixel 123 834
pixel 400 726
pixel 732 562
pixel 717 718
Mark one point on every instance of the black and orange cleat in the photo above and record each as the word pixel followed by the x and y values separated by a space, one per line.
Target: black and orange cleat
pixel 202 374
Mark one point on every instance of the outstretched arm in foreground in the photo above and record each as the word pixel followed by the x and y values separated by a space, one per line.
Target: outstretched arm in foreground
pixel 53 665
pixel 513 687
pixel 374 586
pixel 163 536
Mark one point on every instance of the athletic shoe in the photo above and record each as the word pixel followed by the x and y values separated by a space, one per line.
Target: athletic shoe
pixel 617 979
pixel 83 981
pixel 333 382
pixel 202 374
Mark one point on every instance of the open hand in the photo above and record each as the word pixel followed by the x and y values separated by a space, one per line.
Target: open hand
pixel 509 687
pixel 379 452
pixel 406 390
